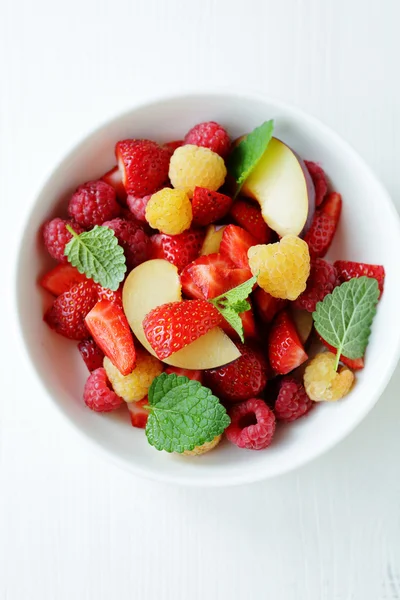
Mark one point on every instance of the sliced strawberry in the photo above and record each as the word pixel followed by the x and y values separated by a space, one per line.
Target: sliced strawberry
pixel 249 326
pixel 353 363
pixel 235 243
pixel 172 326
pixel 266 305
pixel 144 166
pixel 61 278
pixel 138 413
pixel 285 350
pixel 248 215
pixel 209 206
pixel 319 180
pixel 91 354
pixel 67 315
pixel 180 249
pixel 110 330
pixel 347 269
pixel 114 178
pixel 189 373
pixel 323 227
pixel 207 274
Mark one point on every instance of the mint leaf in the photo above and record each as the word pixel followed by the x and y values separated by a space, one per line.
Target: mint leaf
pixel 97 254
pixel 233 303
pixel 183 414
pixel 344 318
pixel 248 152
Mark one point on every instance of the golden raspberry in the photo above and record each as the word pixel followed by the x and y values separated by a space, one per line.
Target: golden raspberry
pixel 134 387
pixel 170 211
pixel 204 448
pixel 283 268
pixel 194 165
pixel 322 382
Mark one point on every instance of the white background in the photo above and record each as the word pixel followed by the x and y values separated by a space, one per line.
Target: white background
pixel 74 526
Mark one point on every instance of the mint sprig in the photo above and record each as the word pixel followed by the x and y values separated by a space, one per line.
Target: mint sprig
pixel 248 152
pixel 344 317
pixel 233 303
pixel 183 414
pixel 98 255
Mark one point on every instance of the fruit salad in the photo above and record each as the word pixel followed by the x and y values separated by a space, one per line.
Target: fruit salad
pixel 193 278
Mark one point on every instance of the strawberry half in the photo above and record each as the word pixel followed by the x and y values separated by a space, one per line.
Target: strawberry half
pixel 61 279
pixel 285 350
pixel 266 305
pixel 323 227
pixel 114 178
pixel 235 243
pixel 172 326
pixel 353 363
pixel 346 270
pixel 144 166
pixel 209 206
pixel 180 249
pixel 248 215
pixel 110 330
pixel 138 413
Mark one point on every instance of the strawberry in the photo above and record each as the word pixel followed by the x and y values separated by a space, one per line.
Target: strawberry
pixel 209 206
pixel 180 249
pixel 235 244
pixel 319 180
pixel 248 323
pixel 106 294
pixel 172 146
pixel 144 166
pixel 67 314
pixel 172 326
pixel 266 305
pixel 189 373
pixel 353 363
pixel 248 215
pixel 285 350
pixel 114 178
pixel 110 330
pixel 323 227
pixel 138 413
pixel 347 270
pixel 321 281
pixel 91 354
pixel 61 278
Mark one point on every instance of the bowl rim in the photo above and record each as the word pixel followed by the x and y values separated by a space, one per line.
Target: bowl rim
pixel 135 468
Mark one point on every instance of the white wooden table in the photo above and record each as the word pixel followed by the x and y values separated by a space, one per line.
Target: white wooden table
pixel 74 526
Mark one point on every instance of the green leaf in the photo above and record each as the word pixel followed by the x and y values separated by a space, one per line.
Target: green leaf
pixel 248 152
pixel 344 318
pixel 97 254
pixel 183 414
pixel 233 303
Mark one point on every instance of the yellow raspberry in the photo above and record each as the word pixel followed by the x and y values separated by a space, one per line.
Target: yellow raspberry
pixel 198 450
pixel 194 165
pixel 134 387
pixel 322 382
pixel 283 268
pixel 170 211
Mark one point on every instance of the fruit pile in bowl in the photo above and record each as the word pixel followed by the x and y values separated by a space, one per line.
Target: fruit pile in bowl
pixel 193 278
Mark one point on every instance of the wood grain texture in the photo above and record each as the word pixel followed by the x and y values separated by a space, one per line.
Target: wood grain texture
pixel 73 526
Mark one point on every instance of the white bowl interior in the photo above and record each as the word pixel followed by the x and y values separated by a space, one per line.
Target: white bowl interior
pixel 368 232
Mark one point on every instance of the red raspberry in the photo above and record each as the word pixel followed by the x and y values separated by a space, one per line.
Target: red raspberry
pixel 93 203
pixel 91 354
pixel 292 401
pixel 133 240
pixel 137 206
pixel 252 425
pixel 210 135
pixel 56 235
pixel 241 379
pixel 67 315
pixel 319 180
pixel 144 166
pixel 98 394
pixel 322 280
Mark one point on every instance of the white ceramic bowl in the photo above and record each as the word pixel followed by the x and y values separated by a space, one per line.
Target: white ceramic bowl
pixel 369 231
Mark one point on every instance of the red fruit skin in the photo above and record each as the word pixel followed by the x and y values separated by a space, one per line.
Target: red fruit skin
pixel 172 326
pixel 249 327
pixel 347 270
pixel 353 363
pixel 67 314
pixel 138 413
pixel 323 227
pixel 322 281
pixel 235 243
pixel 114 178
pixel 319 180
pixel 180 249
pixel 144 166
pixel 92 355
pixel 241 379
pixel 110 330
pixel 135 243
pixel 210 135
pixel 252 425
pixel 110 295
pixel 98 395
pixel 292 401
pixel 93 203
pixel 266 305
pixel 137 206
pixel 56 236
pixel 248 216
pixel 61 279
pixel 208 206
pixel 172 146
pixel 189 373
pixel 285 350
